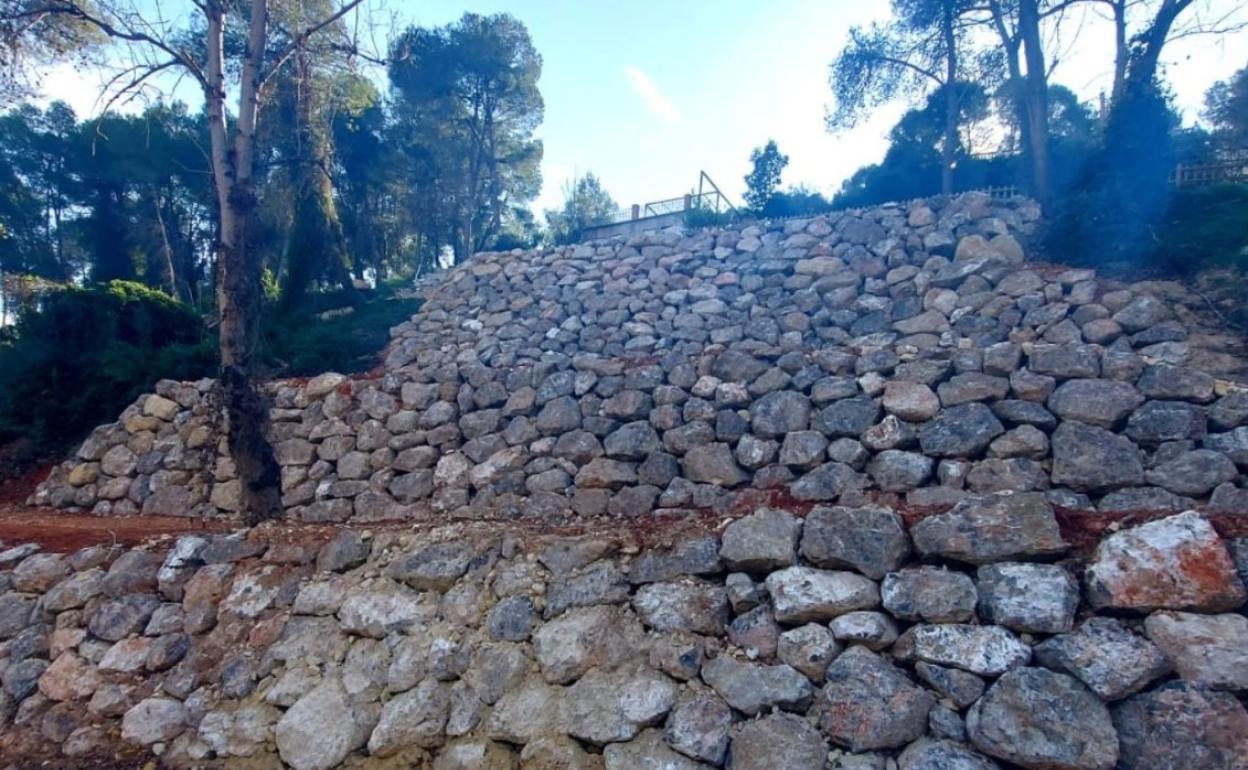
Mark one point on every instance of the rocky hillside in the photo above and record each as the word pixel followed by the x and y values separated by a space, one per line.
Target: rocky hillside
pixel 895 354
pixel 840 641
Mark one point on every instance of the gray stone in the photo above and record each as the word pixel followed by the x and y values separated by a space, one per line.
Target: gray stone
pixel 983 650
pixel 512 619
pixel 698 728
pixel 1091 459
pixel 646 751
pixel 154 720
pixel 1208 650
pixel 778 413
pixel 848 417
pixel 896 471
pixel 1193 473
pixel 1175 382
pixel 761 542
pixel 1032 598
pixel 961 687
pixel 434 567
pixel 687 605
pixel 868 703
pixel 942 755
pixel 1039 720
pixel 713 464
pixel 322 728
pixel 870 540
pixel 689 556
pixel 775 741
pixel 1103 403
pixel 1157 422
pixel 632 441
pixel 961 431
pixel 826 482
pixel 606 707
pixel 992 528
pixel 1106 656
pixel 602 583
pixel 752 688
pixel 118 618
pixel 1179 726
pixel 414 718
pixel 809 649
pixel 929 594
pixel 873 630
pixel 803 449
pixel 802 594
pixel 1065 361
pixel 912 401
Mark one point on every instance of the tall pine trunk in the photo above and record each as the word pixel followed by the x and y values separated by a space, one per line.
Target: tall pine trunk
pixel 948 151
pixel 1035 93
pixel 238 279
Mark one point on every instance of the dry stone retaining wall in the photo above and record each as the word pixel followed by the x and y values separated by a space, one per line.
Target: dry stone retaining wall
pixel 840 640
pixel 900 352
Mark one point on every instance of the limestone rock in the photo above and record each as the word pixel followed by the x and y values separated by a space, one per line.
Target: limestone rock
pixel 1106 656
pixel 868 703
pixel 761 542
pixel 1040 720
pixel 752 688
pixel 1175 563
pixel 1208 650
pixel 1179 726
pixel 1033 598
pixel 870 540
pixel 606 707
pixel 980 530
pixel 802 594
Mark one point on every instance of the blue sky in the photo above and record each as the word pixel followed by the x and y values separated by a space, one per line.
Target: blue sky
pixel 645 93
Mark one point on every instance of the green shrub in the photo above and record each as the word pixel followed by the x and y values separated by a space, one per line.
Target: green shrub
pixel 300 343
pixel 1205 227
pixel 81 355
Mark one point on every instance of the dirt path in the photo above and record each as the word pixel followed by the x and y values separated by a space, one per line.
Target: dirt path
pixel 66 532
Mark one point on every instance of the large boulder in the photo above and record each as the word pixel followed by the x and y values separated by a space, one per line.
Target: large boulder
pixel 872 541
pixel 1176 563
pixel 868 703
pixel 1180 726
pixel 992 528
pixel 1092 459
pixel 1041 720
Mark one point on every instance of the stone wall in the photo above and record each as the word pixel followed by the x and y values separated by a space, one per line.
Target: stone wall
pixel 897 354
pixel 841 640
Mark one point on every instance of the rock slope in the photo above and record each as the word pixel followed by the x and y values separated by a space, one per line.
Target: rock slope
pixel 837 641
pixel 898 353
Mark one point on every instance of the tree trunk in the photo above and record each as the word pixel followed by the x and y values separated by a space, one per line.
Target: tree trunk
pixel 238 271
pixel 1035 89
pixel 1122 51
pixel 948 151
pixel 1141 68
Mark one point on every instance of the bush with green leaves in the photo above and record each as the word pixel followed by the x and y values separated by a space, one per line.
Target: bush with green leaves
pixel 1205 227
pixel 80 355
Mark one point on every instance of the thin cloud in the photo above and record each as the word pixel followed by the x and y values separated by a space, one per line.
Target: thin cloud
pixel 655 101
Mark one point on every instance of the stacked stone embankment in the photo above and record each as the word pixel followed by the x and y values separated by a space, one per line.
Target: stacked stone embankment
pixel 841 640
pixel 898 353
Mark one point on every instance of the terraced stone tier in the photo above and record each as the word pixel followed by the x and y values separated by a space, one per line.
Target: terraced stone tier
pixel 744 646
pixel 901 353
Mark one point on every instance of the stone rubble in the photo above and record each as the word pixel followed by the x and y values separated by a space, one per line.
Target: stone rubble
pixel 454 649
pixel 907 352
pixel 879 418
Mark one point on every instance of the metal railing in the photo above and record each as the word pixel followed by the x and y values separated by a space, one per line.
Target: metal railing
pixel 1205 174
pixel 707 198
